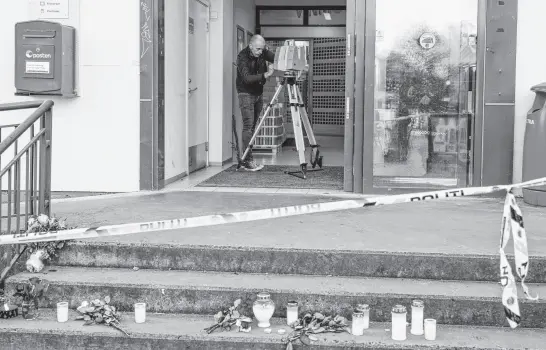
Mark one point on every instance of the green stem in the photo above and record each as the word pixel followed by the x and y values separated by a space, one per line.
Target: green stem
pixel 118 328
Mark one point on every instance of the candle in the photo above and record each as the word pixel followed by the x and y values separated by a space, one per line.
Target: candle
pixel 140 312
pixel 399 323
pixel 365 309
pixel 263 308
pixel 291 312
pixel 358 323
pixel 430 329
pixel 62 311
pixel 417 308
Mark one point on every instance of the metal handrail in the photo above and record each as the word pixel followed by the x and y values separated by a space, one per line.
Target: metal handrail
pixel 38 142
pixel 36 154
pixel 42 108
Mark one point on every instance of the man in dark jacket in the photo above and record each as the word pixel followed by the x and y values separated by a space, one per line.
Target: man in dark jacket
pixel 252 73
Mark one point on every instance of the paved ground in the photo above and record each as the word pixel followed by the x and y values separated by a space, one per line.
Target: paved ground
pixel 462 226
pixel 54 195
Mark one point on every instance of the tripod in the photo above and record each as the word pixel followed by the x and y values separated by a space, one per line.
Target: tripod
pixel 299 116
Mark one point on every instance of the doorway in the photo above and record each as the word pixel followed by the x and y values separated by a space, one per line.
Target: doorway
pixel 419 116
pixel 198 92
pixel 321 30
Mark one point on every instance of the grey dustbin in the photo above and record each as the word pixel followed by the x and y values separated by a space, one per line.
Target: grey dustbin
pixel 534 147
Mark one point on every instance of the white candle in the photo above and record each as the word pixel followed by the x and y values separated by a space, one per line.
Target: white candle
pixel 399 323
pixel 62 311
pixel 140 312
pixel 430 329
pixel 291 312
pixel 365 308
pixel 357 327
pixel 417 308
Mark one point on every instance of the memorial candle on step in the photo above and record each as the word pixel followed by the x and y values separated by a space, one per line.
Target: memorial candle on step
pixel 365 309
pixel 417 308
pixel 140 312
pixel 357 326
pixel 62 311
pixel 398 328
pixel 291 312
pixel 430 329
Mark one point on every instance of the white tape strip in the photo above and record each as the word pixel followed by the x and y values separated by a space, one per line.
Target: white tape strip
pixel 219 219
pixel 508 282
pixel 512 225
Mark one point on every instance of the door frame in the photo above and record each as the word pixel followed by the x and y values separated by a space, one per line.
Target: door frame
pixel 150 95
pixel 205 3
pixel 364 85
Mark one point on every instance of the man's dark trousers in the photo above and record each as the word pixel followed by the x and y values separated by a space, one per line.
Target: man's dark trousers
pixel 251 107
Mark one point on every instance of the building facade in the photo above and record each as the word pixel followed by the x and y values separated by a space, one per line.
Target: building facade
pixel 432 95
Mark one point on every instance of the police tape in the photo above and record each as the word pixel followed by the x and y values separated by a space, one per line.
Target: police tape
pixel 254 215
pixel 512 225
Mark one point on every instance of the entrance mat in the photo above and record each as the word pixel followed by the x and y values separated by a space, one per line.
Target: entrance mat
pixel 273 176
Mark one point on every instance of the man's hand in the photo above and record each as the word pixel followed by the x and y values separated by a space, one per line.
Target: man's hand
pixel 270 71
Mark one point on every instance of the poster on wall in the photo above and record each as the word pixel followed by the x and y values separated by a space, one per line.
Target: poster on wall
pixel 42 9
pixel 240 39
pixel 249 35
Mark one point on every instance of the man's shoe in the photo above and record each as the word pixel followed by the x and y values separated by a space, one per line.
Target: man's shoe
pixel 242 166
pixel 249 166
pixel 255 165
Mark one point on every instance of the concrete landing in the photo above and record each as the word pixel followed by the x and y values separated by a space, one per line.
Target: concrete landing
pixel 170 332
pixel 457 226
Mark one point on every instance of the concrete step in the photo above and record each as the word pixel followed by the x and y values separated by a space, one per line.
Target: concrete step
pixel 449 302
pixel 484 267
pixel 170 332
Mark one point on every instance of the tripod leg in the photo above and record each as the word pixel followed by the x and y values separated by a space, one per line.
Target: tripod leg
pixel 316 158
pixel 262 119
pixel 298 132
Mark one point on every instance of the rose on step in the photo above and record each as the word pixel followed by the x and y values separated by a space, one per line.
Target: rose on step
pixel 35 262
pixel 43 219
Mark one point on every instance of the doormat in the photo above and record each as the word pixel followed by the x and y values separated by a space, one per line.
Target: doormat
pixel 273 176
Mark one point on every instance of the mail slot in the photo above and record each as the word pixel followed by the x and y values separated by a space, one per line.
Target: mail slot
pixel 44 59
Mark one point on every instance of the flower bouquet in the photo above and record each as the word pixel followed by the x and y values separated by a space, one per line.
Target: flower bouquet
pixel 40 252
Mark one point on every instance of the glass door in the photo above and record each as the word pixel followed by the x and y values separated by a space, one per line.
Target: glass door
pixel 424 95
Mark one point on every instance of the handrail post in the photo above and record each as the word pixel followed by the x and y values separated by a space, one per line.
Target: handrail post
pixel 45 163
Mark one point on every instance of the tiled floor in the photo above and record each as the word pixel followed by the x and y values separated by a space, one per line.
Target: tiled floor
pixel 331 148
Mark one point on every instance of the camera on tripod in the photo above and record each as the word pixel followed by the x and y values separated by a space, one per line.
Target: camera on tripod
pixel 290 59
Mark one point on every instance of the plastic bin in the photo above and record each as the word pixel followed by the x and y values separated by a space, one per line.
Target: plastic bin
pixel 534 147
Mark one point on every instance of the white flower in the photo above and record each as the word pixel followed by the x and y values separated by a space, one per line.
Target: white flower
pixel 43 219
pixel 31 222
pixel 52 221
pixel 61 224
pixel 83 307
pixel 34 264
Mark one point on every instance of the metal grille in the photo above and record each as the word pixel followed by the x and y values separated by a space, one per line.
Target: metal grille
pixel 329 102
pixel 328 86
pixel 329 68
pixel 330 52
pixel 329 40
pixel 328 118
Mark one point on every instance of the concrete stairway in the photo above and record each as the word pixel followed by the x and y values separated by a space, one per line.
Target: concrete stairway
pixel 328 263
pixel 185 285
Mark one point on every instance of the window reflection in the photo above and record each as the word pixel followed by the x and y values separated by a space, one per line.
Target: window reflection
pixel 424 92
